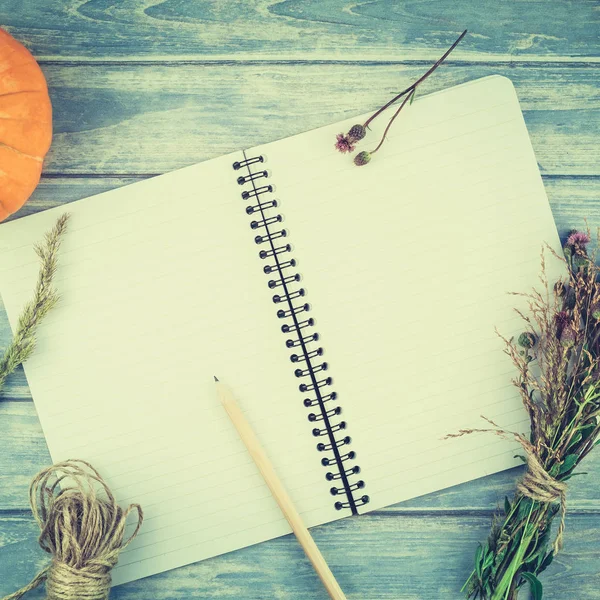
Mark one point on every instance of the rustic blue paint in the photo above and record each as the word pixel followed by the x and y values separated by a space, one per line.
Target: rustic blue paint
pixel 142 87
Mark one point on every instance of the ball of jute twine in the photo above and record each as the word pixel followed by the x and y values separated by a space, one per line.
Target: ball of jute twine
pixel 82 527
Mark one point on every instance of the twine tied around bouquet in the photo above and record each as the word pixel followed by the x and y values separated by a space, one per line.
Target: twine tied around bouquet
pixel 82 530
pixel 540 486
pixel 537 483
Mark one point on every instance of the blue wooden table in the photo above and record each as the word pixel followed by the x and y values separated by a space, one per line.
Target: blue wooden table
pixel 140 87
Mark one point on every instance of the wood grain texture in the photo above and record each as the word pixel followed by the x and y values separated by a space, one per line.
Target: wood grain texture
pixel 152 119
pixel 140 87
pixel 306 30
pixel 374 557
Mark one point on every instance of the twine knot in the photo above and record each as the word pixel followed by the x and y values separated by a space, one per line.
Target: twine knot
pixel 540 486
pixel 82 527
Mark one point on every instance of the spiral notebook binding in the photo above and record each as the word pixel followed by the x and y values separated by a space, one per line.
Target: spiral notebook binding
pixel 324 412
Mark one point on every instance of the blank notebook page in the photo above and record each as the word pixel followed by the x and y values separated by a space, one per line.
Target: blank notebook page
pixel 407 262
pixel 161 289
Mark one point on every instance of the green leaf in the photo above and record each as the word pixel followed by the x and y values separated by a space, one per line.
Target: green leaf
pixel 535 585
pixel 569 462
pixel 523 458
pixel 587 430
pixel 412 97
pixel 575 439
pixel 554 469
pixel 478 560
pixel 546 562
pixel 506 505
pixel 573 475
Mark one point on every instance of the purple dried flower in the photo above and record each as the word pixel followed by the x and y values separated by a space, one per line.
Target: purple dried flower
pixel 578 238
pixel 344 143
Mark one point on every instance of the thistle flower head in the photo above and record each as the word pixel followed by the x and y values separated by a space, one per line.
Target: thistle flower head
pixel 568 336
pixel 527 340
pixel 362 158
pixel 578 239
pixel 357 132
pixel 344 143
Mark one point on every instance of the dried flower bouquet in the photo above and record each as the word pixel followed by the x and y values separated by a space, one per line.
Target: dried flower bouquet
pixel 558 376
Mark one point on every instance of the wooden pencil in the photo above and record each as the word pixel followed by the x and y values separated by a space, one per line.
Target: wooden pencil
pixel 284 501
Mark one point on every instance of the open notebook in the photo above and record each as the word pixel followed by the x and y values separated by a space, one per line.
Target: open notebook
pixel 351 372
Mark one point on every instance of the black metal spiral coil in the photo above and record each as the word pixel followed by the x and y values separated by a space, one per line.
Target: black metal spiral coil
pixel 322 401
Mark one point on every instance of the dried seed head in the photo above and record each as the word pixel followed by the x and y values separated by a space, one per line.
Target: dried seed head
pixel 568 336
pixel 580 261
pixel 569 299
pixel 362 158
pixel 357 132
pixel 561 320
pixel 527 340
pixel 559 288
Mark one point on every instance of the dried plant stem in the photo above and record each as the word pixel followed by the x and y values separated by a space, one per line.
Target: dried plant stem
pixel 44 299
pixel 413 86
pixel 407 99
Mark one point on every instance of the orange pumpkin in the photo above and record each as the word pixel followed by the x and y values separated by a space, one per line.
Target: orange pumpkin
pixel 25 124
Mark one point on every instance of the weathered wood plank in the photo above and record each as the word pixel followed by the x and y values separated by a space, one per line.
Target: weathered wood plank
pixel 139 120
pixel 296 29
pixel 374 557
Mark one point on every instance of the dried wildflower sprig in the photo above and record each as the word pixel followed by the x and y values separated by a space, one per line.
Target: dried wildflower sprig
pixel 346 143
pixel 558 363
pixel 44 299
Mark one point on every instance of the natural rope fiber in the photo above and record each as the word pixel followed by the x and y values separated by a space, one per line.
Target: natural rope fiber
pixel 538 485
pixel 82 527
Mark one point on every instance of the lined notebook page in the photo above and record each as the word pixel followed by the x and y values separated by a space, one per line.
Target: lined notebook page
pixel 161 289
pixel 408 262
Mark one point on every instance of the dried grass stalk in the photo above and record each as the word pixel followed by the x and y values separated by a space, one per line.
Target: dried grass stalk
pixel 44 299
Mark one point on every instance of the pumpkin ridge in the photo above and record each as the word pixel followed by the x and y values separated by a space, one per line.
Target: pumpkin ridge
pixel 36 158
pixel 23 92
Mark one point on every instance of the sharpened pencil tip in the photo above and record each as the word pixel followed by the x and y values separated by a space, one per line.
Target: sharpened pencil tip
pixel 215 378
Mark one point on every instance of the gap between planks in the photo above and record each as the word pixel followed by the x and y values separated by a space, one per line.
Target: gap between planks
pixel 534 62
pixel 394 513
